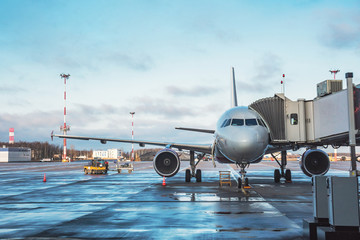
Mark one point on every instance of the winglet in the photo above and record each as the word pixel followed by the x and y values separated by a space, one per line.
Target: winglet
pixel 52 135
pixel 233 90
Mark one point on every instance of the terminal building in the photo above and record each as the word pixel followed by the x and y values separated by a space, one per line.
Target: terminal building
pixel 15 154
pixel 107 154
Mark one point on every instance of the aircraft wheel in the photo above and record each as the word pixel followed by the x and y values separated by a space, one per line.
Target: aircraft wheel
pixel 198 175
pixel 105 172
pixel 277 175
pixel 187 175
pixel 239 183
pixel 246 182
pixel 288 175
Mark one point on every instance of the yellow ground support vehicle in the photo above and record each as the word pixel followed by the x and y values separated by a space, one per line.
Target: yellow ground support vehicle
pixel 96 167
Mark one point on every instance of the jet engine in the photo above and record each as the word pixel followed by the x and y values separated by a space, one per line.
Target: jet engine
pixel 166 162
pixel 314 162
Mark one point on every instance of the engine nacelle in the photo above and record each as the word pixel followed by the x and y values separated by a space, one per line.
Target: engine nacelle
pixel 166 162
pixel 314 162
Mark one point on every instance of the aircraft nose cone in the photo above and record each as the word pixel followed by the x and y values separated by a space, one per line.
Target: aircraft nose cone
pixel 245 145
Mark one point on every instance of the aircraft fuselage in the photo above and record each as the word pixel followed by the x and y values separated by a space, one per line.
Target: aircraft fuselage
pixel 241 137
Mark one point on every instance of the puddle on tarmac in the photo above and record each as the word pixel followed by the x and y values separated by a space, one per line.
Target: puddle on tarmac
pixel 252 229
pixel 236 212
pixel 210 197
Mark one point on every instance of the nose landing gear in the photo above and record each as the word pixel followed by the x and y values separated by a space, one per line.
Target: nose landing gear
pixel 243 182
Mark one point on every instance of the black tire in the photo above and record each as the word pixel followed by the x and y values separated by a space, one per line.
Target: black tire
pixel 105 172
pixel 198 175
pixel 277 175
pixel 246 182
pixel 288 175
pixel 239 183
pixel 187 175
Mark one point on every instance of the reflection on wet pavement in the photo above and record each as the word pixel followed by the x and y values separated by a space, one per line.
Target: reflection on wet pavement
pixel 73 205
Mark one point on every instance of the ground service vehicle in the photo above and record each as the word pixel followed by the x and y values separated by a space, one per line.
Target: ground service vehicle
pixel 96 167
pixel 126 166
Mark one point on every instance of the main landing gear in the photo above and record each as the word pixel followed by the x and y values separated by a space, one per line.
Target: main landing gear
pixel 282 172
pixel 196 173
pixel 243 181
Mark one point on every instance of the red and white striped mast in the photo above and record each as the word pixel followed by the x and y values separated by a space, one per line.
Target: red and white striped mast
pixel 11 136
pixel 64 128
pixel 132 135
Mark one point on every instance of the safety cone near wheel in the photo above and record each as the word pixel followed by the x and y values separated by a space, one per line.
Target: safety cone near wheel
pixel 164 183
pixel 44 177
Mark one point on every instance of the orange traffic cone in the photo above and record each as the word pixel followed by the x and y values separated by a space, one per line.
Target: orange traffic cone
pixel 44 177
pixel 164 183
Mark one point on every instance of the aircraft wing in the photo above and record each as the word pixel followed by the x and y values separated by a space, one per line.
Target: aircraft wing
pixel 204 148
pixel 196 130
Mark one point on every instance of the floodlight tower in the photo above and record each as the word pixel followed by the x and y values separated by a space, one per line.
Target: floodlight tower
pixel 132 135
pixel 64 128
pixel 334 72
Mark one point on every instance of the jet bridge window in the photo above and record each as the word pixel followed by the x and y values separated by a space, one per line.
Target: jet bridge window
pixel 251 122
pixel 237 122
pixel 293 119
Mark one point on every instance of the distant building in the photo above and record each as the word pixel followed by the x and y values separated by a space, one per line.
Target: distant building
pixel 107 154
pixel 15 154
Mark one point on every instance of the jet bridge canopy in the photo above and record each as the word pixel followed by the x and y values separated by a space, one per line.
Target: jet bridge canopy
pixel 272 110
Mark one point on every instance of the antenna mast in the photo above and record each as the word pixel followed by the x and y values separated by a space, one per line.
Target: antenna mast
pixel 132 135
pixel 334 72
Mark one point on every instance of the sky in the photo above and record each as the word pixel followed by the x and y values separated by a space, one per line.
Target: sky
pixel 168 61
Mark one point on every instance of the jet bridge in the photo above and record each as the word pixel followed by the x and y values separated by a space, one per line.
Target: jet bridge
pixel 286 119
pixel 321 121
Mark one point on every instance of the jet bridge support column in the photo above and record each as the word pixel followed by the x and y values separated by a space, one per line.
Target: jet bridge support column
pixel 283 162
pixel 352 139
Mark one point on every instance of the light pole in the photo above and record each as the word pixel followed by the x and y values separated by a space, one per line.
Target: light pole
pixel 64 128
pixel 132 135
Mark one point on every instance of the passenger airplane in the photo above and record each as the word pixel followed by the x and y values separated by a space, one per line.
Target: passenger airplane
pixel 241 137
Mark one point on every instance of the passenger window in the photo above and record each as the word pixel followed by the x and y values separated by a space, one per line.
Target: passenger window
pixel 293 119
pixel 250 122
pixel 237 122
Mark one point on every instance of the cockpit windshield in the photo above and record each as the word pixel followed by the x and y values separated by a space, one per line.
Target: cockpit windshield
pixel 237 122
pixel 251 122
pixel 242 122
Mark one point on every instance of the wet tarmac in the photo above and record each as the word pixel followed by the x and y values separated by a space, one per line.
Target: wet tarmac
pixel 73 205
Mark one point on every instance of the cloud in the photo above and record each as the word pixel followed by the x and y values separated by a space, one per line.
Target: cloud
pixel 91 110
pixel 139 63
pixel 197 91
pixel 267 68
pixel 163 108
pixel 8 89
pixel 33 126
pixel 342 33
